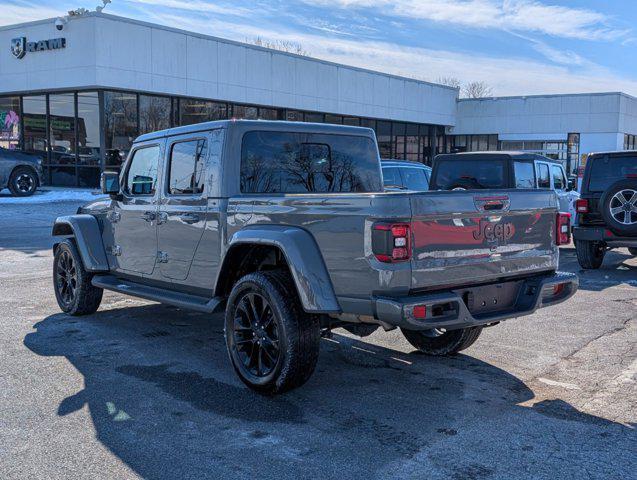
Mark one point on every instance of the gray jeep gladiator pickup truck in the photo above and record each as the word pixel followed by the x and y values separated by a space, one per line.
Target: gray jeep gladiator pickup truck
pixel 287 227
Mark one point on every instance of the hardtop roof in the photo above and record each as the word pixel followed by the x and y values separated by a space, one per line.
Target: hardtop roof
pixel 272 125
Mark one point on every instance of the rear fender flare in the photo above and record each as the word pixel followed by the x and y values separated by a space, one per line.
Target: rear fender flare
pixel 86 232
pixel 304 259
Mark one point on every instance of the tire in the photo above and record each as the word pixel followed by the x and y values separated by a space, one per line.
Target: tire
pixel 272 343
pixel 618 207
pixel 590 255
pixel 633 251
pixel 23 182
pixel 72 284
pixel 434 342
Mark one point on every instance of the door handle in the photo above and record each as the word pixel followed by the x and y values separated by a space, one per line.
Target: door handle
pixel 189 218
pixel 148 216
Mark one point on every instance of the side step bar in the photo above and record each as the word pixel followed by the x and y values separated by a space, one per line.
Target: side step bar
pixel 177 299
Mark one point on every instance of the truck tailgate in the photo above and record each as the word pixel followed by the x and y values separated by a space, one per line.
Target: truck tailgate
pixel 463 237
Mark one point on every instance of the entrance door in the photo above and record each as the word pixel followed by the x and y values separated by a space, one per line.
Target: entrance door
pixel 183 206
pixel 133 221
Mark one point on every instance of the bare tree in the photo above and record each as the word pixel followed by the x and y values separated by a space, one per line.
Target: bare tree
pixel 281 45
pixel 477 90
pixel 449 82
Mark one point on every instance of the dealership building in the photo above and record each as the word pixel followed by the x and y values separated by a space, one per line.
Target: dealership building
pixel 77 97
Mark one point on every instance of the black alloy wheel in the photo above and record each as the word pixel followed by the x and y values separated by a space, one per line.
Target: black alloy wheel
pixel 74 291
pixel 256 336
pixel 23 182
pixel 272 343
pixel 66 278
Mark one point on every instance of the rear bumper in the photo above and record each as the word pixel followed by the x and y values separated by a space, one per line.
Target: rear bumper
pixel 601 234
pixel 448 309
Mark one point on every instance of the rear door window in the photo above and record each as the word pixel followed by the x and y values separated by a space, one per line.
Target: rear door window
pixel 282 162
pixel 186 167
pixel 559 182
pixel 471 174
pixel 415 178
pixel 392 178
pixel 607 170
pixel 524 174
pixel 543 178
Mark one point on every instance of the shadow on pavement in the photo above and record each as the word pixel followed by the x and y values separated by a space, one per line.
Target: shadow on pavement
pixel 163 398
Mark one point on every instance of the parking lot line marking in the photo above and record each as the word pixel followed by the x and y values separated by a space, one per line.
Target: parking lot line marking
pixel 555 383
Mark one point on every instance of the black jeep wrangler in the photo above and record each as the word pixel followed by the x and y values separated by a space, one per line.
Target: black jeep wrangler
pixel 607 208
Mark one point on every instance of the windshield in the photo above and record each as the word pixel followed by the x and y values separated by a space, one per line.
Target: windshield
pixel 471 174
pixel 608 170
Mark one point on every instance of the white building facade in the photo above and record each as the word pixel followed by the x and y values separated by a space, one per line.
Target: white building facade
pixel 564 127
pixel 77 97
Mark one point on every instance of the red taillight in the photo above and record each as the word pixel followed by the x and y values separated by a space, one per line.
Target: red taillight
pixel 558 289
pixel 391 242
pixel 563 224
pixel 420 312
pixel 581 205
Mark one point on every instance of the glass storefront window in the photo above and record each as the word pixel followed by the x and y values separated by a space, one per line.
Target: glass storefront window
pixel 335 119
pixel 120 122
pixel 411 142
pixel 268 114
pixel 35 134
pixel 244 112
pixel 383 135
pixel 88 129
pixel 62 149
pixel 154 113
pixel 10 116
pixel 197 111
pixel 294 116
pixel 353 121
pixel 398 140
pixel 314 117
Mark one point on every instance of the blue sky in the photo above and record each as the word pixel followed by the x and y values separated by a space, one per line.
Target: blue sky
pixel 519 47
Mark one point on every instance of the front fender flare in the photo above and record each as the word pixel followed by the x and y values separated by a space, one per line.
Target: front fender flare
pixel 86 232
pixel 304 258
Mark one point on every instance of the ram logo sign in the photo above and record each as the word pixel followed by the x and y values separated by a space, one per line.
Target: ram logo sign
pixel 20 46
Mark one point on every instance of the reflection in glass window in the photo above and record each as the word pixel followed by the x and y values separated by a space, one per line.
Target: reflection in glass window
pixel 416 178
pixel 314 117
pixel 383 135
pixel 142 173
pixel 10 116
pixel 559 182
pixel 88 130
pixel 245 112
pixel 543 179
pixel 268 113
pixel 186 168
pixel 467 174
pixel 392 178
pixel 154 113
pixel 34 117
pixel 524 174
pixel 120 121
pixel 197 111
pixel 335 119
pixel 62 129
pixel 279 162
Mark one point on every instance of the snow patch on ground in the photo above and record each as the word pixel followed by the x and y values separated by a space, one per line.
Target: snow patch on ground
pixel 51 196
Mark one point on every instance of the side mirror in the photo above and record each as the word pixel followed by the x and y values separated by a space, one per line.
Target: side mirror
pixel 110 183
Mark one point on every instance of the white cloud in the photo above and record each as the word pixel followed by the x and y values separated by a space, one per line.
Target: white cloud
pixel 517 15
pixel 507 76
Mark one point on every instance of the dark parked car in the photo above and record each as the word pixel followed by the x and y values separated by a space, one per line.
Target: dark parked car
pixel 405 175
pixel 479 170
pixel 20 172
pixel 286 226
pixel 607 209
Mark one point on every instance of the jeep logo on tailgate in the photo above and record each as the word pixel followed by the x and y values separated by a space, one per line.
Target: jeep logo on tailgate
pixel 492 232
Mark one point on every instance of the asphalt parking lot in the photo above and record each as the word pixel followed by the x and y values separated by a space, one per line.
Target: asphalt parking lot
pixel 141 390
